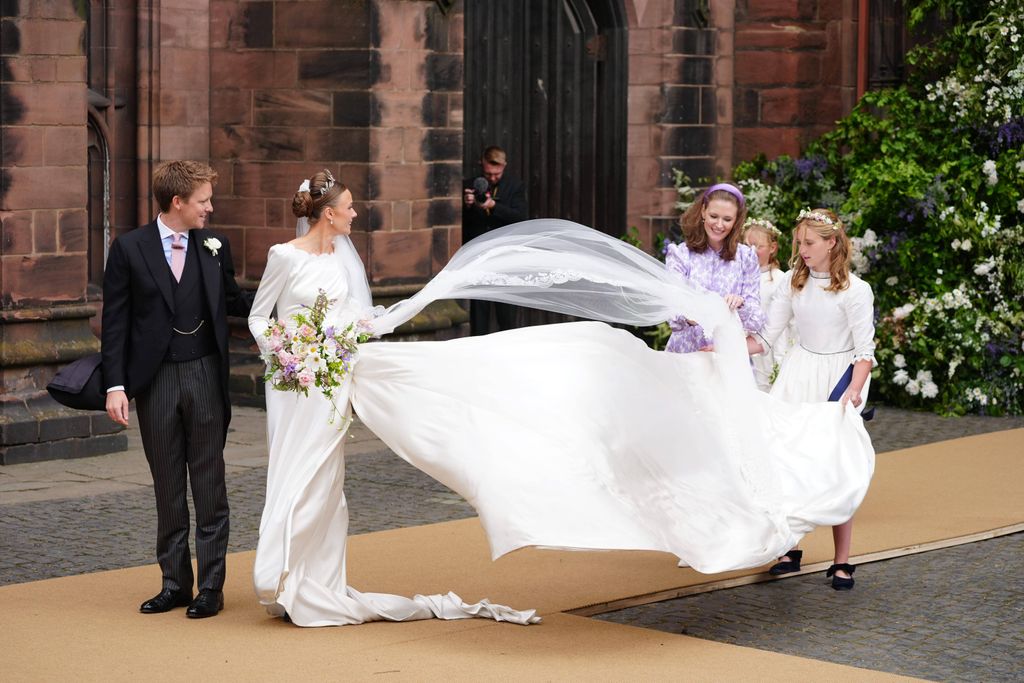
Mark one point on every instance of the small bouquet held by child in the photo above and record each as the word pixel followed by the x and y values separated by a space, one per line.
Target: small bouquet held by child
pixel 312 354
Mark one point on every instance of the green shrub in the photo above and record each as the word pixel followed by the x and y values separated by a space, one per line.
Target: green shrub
pixel 928 178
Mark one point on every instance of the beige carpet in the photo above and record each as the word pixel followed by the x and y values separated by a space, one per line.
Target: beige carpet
pixel 87 627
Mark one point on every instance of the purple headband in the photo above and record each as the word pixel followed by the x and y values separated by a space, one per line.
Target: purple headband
pixel 726 187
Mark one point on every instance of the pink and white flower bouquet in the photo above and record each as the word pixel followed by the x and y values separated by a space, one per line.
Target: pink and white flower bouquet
pixel 312 353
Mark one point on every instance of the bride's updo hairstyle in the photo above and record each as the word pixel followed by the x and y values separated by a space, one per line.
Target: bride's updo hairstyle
pixel 827 225
pixel 323 191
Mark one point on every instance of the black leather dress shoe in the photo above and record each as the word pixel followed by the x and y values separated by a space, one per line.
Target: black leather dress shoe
pixel 206 604
pixel 165 601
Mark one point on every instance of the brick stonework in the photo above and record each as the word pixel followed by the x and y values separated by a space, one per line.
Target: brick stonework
pixel 795 74
pixel 371 92
pixel 270 91
pixel 673 118
pixel 708 91
pixel 43 161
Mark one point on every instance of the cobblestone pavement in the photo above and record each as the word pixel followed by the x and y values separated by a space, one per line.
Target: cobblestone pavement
pixel 953 614
pixel 49 538
pixel 947 615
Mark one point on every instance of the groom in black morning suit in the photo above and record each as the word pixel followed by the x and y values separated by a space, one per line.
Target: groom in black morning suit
pixel 167 290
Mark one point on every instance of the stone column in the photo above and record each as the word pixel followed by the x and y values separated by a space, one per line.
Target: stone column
pixel 675 105
pixel 44 317
pixel 174 89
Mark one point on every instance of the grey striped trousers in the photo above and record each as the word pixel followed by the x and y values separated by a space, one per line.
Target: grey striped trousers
pixel 181 420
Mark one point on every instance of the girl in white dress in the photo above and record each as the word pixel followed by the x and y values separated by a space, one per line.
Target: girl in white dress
pixel 763 236
pixel 834 316
pixel 574 435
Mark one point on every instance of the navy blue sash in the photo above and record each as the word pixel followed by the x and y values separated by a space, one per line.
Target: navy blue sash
pixel 842 385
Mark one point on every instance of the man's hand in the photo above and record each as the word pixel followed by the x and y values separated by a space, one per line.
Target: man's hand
pixel 488 203
pixel 117 407
pixel 468 197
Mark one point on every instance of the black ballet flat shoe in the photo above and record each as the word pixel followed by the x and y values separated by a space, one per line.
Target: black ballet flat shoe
pixel 165 601
pixel 788 566
pixel 838 582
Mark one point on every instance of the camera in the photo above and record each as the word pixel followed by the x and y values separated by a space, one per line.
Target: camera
pixel 480 189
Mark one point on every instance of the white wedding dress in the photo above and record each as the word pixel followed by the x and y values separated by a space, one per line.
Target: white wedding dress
pixel 563 436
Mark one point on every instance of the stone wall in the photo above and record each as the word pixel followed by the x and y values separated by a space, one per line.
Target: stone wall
pixel 795 73
pixel 43 167
pixel 270 91
pixel 44 321
pixel 369 90
pixel 714 84
pixel 680 79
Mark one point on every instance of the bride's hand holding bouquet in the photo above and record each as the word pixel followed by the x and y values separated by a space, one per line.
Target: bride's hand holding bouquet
pixel 311 353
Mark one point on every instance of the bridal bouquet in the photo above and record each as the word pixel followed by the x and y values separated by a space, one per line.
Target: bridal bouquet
pixel 312 354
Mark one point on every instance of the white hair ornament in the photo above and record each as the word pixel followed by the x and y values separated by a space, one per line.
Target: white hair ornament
pixel 817 218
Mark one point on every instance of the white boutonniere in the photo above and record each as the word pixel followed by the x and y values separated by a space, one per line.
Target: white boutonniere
pixel 213 244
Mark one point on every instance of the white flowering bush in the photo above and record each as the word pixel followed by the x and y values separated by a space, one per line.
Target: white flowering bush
pixel 989 85
pixel 937 229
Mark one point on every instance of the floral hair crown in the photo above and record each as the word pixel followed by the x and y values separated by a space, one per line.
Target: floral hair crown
pixel 762 223
pixel 817 218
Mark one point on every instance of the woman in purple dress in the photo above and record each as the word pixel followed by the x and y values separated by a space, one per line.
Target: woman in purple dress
pixel 711 256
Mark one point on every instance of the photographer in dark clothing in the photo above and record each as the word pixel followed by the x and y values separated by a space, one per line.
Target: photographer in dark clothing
pixel 492 200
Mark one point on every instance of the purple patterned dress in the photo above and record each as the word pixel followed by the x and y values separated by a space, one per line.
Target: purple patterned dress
pixel 740 276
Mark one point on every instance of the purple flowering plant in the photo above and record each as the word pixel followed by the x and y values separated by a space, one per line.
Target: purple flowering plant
pixel 311 353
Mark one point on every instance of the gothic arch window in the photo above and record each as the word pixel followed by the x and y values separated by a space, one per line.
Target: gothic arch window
pixel 99 199
pixel 96 14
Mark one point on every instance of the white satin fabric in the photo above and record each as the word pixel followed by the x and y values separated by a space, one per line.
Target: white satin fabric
pixel 300 556
pixel 563 436
pixel 579 436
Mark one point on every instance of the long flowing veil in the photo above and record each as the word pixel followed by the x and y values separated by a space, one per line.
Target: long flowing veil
pixel 564 267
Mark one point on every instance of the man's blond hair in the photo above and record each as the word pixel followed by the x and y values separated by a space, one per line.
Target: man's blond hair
pixel 495 155
pixel 179 179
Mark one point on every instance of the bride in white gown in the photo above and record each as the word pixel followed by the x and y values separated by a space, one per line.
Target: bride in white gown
pixel 564 436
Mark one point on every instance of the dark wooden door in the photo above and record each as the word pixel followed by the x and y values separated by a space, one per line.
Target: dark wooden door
pixel 546 80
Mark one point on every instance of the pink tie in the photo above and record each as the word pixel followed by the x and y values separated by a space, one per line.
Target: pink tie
pixel 177 256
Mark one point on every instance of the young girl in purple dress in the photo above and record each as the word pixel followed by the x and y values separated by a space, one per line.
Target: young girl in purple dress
pixel 711 256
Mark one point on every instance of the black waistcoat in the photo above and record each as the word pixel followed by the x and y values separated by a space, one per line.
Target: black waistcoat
pixel 190 308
